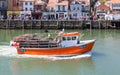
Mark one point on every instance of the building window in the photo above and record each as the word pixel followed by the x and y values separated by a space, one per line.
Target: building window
pixel 3 4
pixel 63 8
pixel 30 3
pixel 74 8
pixel 78 8
pixel 30 9
pixel 58 8
pixel 26 3
pixel 26 9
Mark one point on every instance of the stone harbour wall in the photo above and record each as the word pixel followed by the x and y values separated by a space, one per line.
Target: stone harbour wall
pixel 37 24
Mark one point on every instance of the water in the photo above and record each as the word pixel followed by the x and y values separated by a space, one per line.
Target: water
pixel 104 60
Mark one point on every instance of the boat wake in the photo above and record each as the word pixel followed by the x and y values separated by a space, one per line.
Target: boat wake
pixel 8 51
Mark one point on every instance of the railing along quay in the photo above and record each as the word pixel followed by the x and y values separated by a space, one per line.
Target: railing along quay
pixel 59 24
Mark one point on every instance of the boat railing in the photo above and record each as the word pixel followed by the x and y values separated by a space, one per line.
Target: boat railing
pixel 38 44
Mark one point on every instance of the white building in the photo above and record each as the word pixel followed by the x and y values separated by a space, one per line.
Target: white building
pixel 50 13
pixel 61 9
pixel 115 8
pixel 26 7
pixel 57 9
pixel 66 9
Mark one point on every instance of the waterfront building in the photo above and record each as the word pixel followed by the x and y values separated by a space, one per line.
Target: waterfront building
pixel 115 8
pixel 110 10
pixel 39 8
pixel 56 9
pixel 101 11
pixel 114 5
pixel 85 9
pixel 13 8
pixel 62 9
pixel 3 9
pixel 76 10
pixel 26 8
pixel 80 9
pixel 50 14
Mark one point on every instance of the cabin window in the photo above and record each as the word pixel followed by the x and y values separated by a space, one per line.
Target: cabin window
pixel 69 38
pixel 74 38
pixel 64 38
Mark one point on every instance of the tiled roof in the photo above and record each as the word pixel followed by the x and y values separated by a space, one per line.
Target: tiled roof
pixel 114 1
pixel 102 6
pixel 63 2
pixel 51 3
pixel 40 2
pixel 28 0
pixel 85 1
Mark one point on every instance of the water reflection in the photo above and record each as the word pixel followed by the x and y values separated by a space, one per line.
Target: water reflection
pixel 49 67
pixel 7 35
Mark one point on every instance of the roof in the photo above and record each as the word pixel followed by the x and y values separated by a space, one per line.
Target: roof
pixel 103 6
pixel 51 3
pixel 86 2
pixel 63 2
pixel 27 0
pixel 114 1
pixel 69 34
pixel 40 2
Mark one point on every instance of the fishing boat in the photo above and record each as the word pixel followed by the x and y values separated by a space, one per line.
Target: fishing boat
pixel 65 44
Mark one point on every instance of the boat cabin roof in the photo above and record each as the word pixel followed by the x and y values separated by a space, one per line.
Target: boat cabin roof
pixel 68 34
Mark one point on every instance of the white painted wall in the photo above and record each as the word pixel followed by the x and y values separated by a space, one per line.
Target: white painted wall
pixel 116 17
pixel 28 6
pixel 112 17
pixel 61 7
pixel 109 17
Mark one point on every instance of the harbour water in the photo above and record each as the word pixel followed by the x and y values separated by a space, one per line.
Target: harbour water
pixel 104 59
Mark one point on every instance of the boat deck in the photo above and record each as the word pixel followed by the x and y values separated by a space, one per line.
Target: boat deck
pixel 37 44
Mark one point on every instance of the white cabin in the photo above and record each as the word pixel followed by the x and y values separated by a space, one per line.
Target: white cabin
pixel 68 39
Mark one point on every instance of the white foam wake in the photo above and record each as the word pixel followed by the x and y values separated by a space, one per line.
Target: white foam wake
pixel 9 51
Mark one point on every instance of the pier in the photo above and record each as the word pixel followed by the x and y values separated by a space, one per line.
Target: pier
pixel 59 24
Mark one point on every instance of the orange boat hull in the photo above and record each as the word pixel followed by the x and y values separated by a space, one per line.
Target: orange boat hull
pixel 74 50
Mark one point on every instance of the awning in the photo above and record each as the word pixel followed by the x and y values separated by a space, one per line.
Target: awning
pixel 13 12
